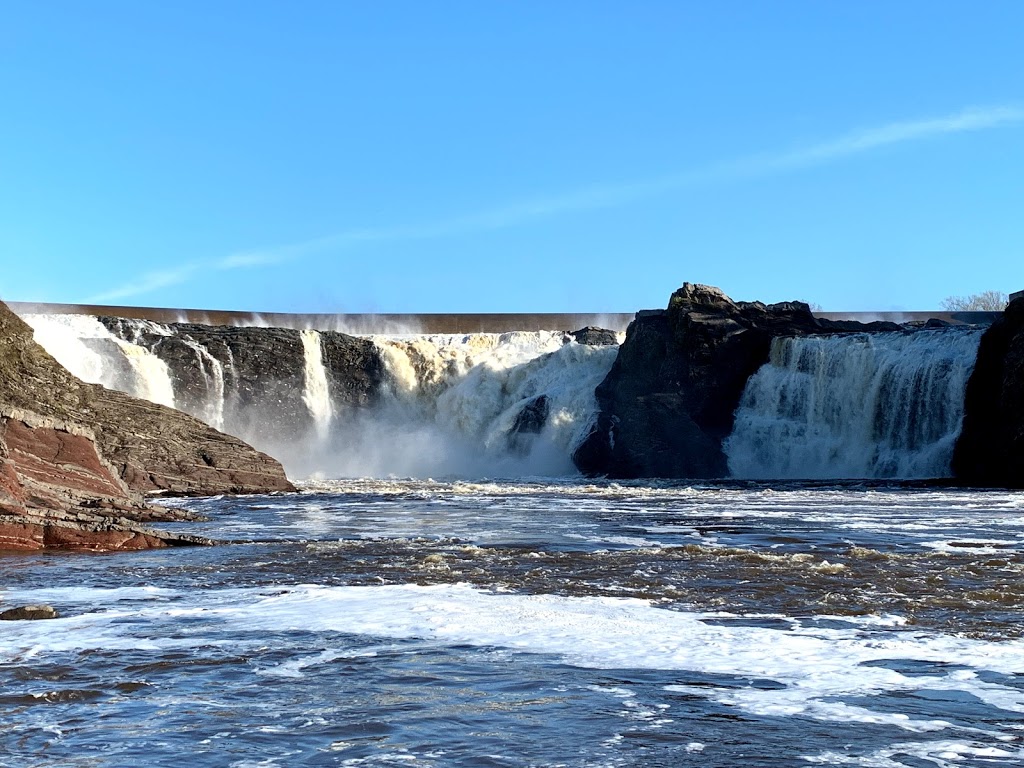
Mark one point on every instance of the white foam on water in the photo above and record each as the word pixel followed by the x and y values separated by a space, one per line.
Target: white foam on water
pixel 815 666
pixel 942 754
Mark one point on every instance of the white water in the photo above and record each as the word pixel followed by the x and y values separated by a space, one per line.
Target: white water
pixel 814 663
pixel 213 371
pixel 316 395
pixel 82 345
pixel 452 401
pixel 448 407
pixel 865 405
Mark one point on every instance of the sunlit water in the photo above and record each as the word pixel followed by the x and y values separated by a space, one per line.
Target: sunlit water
pixel 420 623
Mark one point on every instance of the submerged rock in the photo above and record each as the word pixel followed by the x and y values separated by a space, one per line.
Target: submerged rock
pixel 29 613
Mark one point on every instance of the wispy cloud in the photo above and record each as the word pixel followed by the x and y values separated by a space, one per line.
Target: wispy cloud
pixel 147 283
pixel 972 119
pixel 592 197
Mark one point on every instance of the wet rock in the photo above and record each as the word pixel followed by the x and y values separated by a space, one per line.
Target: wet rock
pixel 355 370
pixel 29 613
pixel 595 337
pixel 257 373
pixel 529 422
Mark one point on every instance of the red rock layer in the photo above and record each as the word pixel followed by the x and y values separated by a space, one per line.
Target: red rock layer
pixel 75 457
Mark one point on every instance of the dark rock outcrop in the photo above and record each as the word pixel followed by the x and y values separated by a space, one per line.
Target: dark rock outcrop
pixel 595 337
pixel 529 422
pixel 670 398
pixel 75 457
pixel 531 419
pixel 355 370
pixel 990 450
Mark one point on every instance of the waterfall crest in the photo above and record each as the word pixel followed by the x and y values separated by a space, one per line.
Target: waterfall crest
pixel 886 405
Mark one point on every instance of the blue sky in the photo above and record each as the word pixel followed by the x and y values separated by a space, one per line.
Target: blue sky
pixel 509 157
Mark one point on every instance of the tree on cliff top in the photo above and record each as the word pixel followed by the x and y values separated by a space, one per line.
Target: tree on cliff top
pixel 987 301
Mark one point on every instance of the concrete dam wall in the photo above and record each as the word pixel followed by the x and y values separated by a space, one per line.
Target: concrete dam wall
pixel 398 323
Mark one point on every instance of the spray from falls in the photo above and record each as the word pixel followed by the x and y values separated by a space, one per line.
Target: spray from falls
pixel 886 405
pixel 454 406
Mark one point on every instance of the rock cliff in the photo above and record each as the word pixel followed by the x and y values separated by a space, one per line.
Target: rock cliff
pixel 990 450
pixel 669 400
pixel 75 458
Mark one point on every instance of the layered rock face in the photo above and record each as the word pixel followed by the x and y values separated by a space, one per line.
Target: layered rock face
pixel 990 450
pixel 670 398
pixel 75 457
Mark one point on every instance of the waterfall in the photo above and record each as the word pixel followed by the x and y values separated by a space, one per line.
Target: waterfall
pixel 82 345
pixel 153 378
pixel 316 394
pixel 457 405
pixel 213 371
pixel 886 405
pixel 454 405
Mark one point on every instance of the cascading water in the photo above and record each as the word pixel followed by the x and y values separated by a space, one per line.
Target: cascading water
pixel 471 405
pixel 316 395
pixel 455 405
pixel 886 405
pixel 213 371
pixel 82 345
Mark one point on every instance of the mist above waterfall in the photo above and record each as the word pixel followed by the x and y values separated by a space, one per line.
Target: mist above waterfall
pixel 885 405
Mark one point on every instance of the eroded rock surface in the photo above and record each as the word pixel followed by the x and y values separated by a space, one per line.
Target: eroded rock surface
pixel 256 374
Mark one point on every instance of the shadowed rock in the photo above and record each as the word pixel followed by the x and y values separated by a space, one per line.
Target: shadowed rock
pixel 595 337
pixel 990 450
